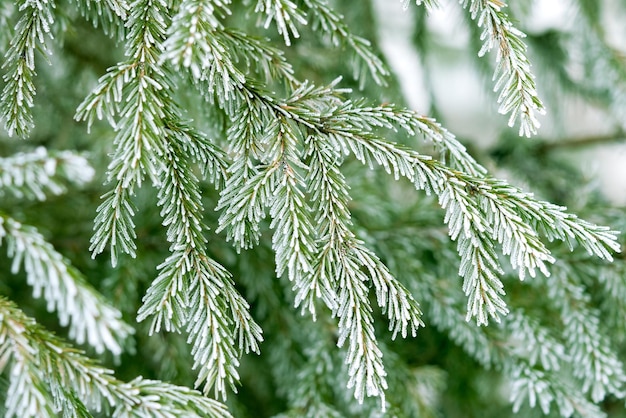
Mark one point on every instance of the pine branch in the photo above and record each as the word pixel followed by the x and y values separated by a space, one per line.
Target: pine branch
pixel 513 78
pixel 333 26
pixel 49 366
pixel 285 13
pixel 109 14
pixel 541 389
pixel 194 291
pixel 31 31
pixel 597 365
pixel 35 174
pixel 482 208
pixel 135 91
pixel 90 317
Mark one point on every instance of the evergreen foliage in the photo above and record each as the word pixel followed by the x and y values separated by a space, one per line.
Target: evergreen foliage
pixel 335 231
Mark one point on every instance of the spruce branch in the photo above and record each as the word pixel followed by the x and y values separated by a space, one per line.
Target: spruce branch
pixel 332 24
pixel 114 225
pixel 197 40
pixel 91 319
pixel 329 194
pixel 598 367
pixel 26 395
pixel 50 367
pixel 276 184
pixel 364 358
pixel 134 92
pixel 323 101
pixel 540 388
pixel 293 236
pixel 285 13
pixel 35 174
pixel 312 396
pixel 257 53
pixel 212 160
pixel 217 354
pixel 479 265
pixel 538 345
pixel 600 370
pixel 513 78
pixel 480 210
pixel 243 202
pixel 30 33
pixel 529 355
pixel 191 291
pixel 193 43
pixel 108 14
pixel 194 291
pixel 289 157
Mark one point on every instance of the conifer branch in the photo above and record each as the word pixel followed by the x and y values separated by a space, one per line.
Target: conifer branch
pixel 536 344
pixel 48 366
pixel 35 174
pixel 476 206
pixel 285 13
pixel 332 24
pixel 31 31
pixel 310 401
pixel 480 210
pixel 135 91
pixel 91 319
pixel 216 52
pixel 513 78
pixel 600 371
pixel 191 291
pixel 541 389
pixel 193 41
pixel 257 53
pixel 108 14
pixel 194 291
pixel 528 354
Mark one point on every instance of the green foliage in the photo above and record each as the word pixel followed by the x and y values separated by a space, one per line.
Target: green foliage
pixel 320 249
